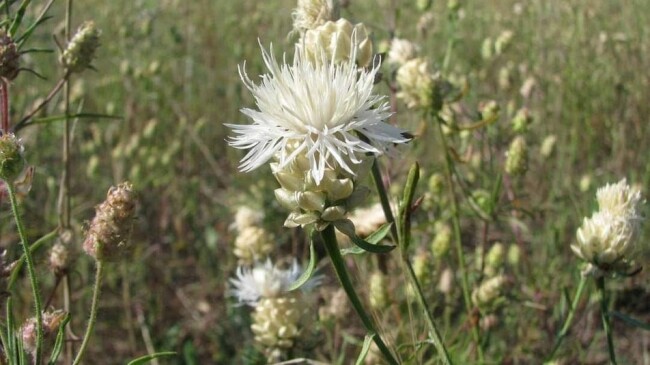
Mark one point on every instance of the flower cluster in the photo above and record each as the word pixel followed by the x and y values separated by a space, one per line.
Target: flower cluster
pixel 607 239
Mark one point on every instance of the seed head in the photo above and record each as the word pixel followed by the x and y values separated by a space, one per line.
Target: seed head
pixel 9 57
pixel 517 157
pixel 81 49
pixel 12 161
pixel 109 231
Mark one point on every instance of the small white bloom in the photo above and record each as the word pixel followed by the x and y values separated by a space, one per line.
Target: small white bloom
pixel 311 13
pixel 247 217
pixel 266 280
pixel 316 110
pixel 620 199
pixel 401 51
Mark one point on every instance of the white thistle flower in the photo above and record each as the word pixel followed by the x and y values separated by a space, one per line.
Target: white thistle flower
pixel 315 110
pixel 266 280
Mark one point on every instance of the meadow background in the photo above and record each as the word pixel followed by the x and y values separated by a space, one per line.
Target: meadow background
pixel 169 69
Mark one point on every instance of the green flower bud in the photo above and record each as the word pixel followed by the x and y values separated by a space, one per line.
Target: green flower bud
pixel 12 161
pixel 436 182
pixel 81 49
pixel 548 145
pixel 517 157
pixel 514 255
pixel 442 240
pixel 423 5
pixel 495 258
pixel 521 121
pixel 378 291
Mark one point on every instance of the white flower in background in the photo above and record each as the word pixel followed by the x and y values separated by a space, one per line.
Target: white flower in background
pixel 266 280
pixel 401 51
pixel 247 217
pixel 252 243
pixel 607 239
pixel 315 110
pixel 415 83
pixel 311 13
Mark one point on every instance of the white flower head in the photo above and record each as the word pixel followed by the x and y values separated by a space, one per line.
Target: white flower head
pixel 311 13
pixel 317 110
pixel 401 51
pixel 247 217
pixel 620 199
pixel 266 280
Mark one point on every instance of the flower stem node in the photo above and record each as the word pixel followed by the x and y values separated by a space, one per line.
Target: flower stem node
pixel 109 231
pixel 81 49
pixel 12 161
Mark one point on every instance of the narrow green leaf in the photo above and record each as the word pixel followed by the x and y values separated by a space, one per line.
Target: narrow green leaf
pixel 19 18
pixel 145 359
pixel 58 345
pixel 309 271
pixel 352 251
pixel 364 350
pixel 57 118
pixel 367 246
pixel 378 235
pixel 23 38
pixel 631 321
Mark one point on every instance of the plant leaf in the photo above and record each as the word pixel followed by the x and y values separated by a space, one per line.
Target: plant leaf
pixel 364 350
pixel 58 345
pixel 367 246
pixel 379 234
pixel 309 271
pixel 145 359
pixel 631 321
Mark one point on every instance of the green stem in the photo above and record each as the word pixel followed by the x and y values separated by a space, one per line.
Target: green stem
pixel 437 338
pixel 21 261
pixel 383 198
pixel 604 315
pixel 567 323
pixel 93 312
pixel 332 248
pixel 457 237
pixel 30 269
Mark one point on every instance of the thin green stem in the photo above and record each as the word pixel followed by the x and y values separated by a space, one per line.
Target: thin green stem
pixel 383 198
pixel 332 248
pixel 569 319
pixel 604 315
pixel 21 261
pixel 457 237
pixel 32 274
pixel 99 273
pixel 435 333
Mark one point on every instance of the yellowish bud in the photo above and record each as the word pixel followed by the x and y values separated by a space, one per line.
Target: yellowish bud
pixel 517 157
pixel 81 49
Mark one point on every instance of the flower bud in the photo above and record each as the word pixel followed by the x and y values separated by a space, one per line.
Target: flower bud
pixel 442 240
pixel 378 291
pixel 311 14
pixel 436 182
pixel 9 57
pixel 494 259
pixel 252 244
pixel 548 145
pixel 517 157
pixel 490 292
pixel 423 5
pixel 12 161
pixel 415 83
pixel 81 49
pixel 109 231
pixel 277 323
pixel 338 41
pixel 401 51
pixel 521 121
pixel 514 255
pixel 503 41
pixel 489 111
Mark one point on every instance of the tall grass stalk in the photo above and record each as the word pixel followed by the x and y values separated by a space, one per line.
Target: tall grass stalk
pixel 604 315
pixel 99 274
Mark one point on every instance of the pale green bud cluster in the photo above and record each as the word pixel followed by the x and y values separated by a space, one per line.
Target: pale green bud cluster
pixel 517 157
pixel 80 51
pixel 436 183
pixel 521 121
pixel 422 267
pixel 109 231
pixel 320 204
pixel 503 41
pixel 378 292
pixel 253 243
pixel 441 241
pixel 514 255
pixel 494 259
pixel 12 161
pixel 415 83
pixel 277 324
pixel 607 239
pixel 490 293
pixel 338 41
pixel 548 146
pixel 9 57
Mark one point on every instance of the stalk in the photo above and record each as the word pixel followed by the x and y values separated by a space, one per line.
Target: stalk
pixel 30 269
pixel 567 323
pixel 604 315
pixel 99 273
pixel 332 248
